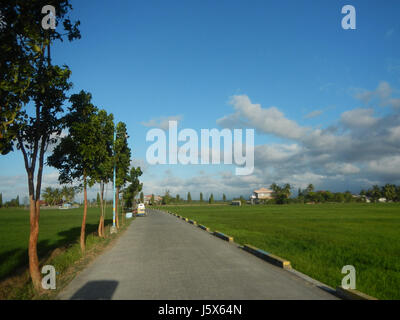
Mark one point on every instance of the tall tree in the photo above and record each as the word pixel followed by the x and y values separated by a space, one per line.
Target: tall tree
pixel 167 197
pixel 122 162
pixel 389 192
pixel 189 197
pixel 27 75
pixel 78 155
pixel 134 187
pixel 211 200
pixel 103 172
pixel 98 199
pixel 1 200
pixel 310 188
pixel 224 197
pixel 141 197
pixel 201 196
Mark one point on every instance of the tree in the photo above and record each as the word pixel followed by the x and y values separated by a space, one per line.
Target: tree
pixel 224 197
pixel 48 195
pixel 211 199
pixel 1 200
pixel 281 194
pixel 80 153
pixel 166 198
pixel 26 75
pixel 134 187
pixel 201 196
pixel 348 197
pixel 122 154
pixel 389 192
pixel 339 197
pixel 23 43
pixel 189 198
pixel 310 188
pixel 98 199
pixel 274 187
pixel 178 198
pixel 141 197
pixel 374 193
pixel 152 200
pixel 103 172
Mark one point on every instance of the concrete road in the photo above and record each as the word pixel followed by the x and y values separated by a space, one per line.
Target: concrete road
pixel 161 257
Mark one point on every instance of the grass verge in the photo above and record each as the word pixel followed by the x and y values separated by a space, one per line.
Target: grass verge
pixel 67 261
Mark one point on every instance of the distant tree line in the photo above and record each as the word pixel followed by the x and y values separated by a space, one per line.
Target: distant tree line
pixel 56 196
pixel 168 199
pixel 9 204
pixel 389 191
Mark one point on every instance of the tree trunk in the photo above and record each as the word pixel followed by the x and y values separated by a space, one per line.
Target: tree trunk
pixel 32 248
pixel 100 230
pixel 123 211
pixel 82 240
pixel 116 207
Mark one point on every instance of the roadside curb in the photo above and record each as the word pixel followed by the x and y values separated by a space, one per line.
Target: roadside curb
pixel 278 261
pixel 223 236
pixel 351 294
pixel 204 227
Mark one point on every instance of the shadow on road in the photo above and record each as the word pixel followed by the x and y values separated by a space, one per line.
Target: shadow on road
pixel 96 290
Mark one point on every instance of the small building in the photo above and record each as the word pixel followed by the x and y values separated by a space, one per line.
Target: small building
pixel 261 194
pixel 147 199
pixel 236 203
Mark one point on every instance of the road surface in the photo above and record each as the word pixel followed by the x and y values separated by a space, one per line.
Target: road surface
pixel 160 257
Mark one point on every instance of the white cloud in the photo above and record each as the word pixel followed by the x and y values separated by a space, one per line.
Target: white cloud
pixel 382 95
pixel 359 118
pixel 269 121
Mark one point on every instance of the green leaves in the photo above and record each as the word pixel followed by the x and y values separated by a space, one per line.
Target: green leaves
pixel 122 155
pixel 134 187
pixel 23 75
pixel 80 150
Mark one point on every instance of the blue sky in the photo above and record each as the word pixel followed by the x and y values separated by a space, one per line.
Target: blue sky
pixel 145 60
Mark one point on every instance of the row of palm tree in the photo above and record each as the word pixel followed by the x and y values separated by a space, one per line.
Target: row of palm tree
pixel 56 196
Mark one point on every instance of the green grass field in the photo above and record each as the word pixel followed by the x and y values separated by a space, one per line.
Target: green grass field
pixel 57 228
pixel 318 239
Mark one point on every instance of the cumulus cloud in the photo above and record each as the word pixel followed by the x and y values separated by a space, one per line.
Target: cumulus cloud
pixel 360 147
pixel 360 118
pixel 270 120
pixel 382 95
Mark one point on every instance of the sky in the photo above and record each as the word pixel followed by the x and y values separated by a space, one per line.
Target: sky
pixel 324 101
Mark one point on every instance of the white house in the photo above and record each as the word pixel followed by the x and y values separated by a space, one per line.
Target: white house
pixel 261 194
